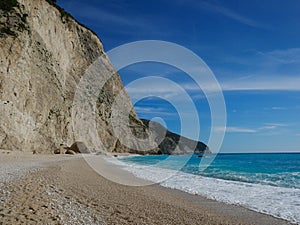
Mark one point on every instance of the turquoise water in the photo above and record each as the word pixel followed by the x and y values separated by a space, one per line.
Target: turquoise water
pixel 281 170
pixel 267 183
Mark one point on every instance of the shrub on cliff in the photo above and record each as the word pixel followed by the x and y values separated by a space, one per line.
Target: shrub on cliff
pixel 8 5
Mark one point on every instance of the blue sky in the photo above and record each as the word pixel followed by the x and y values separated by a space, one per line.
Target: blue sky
pixel 253 48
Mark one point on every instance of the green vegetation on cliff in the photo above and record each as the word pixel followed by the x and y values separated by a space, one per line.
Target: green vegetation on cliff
pixel 8 5
pixel 12 20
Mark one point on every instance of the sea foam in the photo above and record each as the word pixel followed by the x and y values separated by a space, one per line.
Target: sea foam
pixel 279 202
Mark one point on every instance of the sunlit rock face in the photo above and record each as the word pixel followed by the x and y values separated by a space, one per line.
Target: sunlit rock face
pixel 44 55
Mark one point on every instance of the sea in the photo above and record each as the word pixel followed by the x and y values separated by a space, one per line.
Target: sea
pixel 267 183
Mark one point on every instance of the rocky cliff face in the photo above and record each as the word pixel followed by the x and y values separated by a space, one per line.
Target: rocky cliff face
pixel 44 54
pixel 174 144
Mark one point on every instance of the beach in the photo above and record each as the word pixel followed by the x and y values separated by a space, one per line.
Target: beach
pixel 59 189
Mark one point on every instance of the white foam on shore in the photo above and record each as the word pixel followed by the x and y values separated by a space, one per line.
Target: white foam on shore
pixel 279 202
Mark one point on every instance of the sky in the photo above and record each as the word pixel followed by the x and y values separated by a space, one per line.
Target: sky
pixel 252 47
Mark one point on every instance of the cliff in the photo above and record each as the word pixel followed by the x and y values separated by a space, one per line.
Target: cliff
pixel 44 54
pixel 174 144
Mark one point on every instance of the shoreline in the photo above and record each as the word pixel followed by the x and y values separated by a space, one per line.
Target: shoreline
pixel 69 191
pixel 237 211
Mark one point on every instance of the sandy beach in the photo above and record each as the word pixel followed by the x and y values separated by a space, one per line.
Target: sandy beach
pixel 56 189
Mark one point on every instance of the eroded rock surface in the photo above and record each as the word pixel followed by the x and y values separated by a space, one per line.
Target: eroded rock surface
pixel 44 55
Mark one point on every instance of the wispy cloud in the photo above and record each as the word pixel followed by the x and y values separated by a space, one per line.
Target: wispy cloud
pixel 275 108
pixel 267 83
pixel 145 110
pixel 117 18
pixel 266 128
pixel 277 124
pixel 277 70
pixel 217 8
pixel 234 130
pixel 269 127
pixel 285 56
pixel 252 83
pixel 158 87
pixel 160 91
pixel 166 91
pixel 101 15
pixel 278 108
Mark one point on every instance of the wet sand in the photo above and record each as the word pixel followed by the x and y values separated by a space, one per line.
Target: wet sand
pixel 59 189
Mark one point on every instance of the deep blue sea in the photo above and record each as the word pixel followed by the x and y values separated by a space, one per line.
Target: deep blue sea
pixel 267 183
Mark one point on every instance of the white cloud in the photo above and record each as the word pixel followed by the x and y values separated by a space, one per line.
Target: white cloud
pixel 153 111
pixel 271 126
pixel 278 108
pixel 166 91
pixel 157 87
pixel 277 124
pixel 263 83
pixel 235 130
pixel 120 20
pixel 285 56
pixel 267 127
pixel 254 59
pixel 269 83
pixel 146 91
pixel 217 8
pixel 214 7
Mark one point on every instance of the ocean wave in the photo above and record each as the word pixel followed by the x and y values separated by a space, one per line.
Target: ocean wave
pixel 280 202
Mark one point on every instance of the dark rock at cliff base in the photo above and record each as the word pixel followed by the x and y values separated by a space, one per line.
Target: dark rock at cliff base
pixel 70 152
pixel 174 144
pixel 79 147
pixel 62 149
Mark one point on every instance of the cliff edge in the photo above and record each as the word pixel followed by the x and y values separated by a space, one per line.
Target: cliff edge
pixel 44 54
